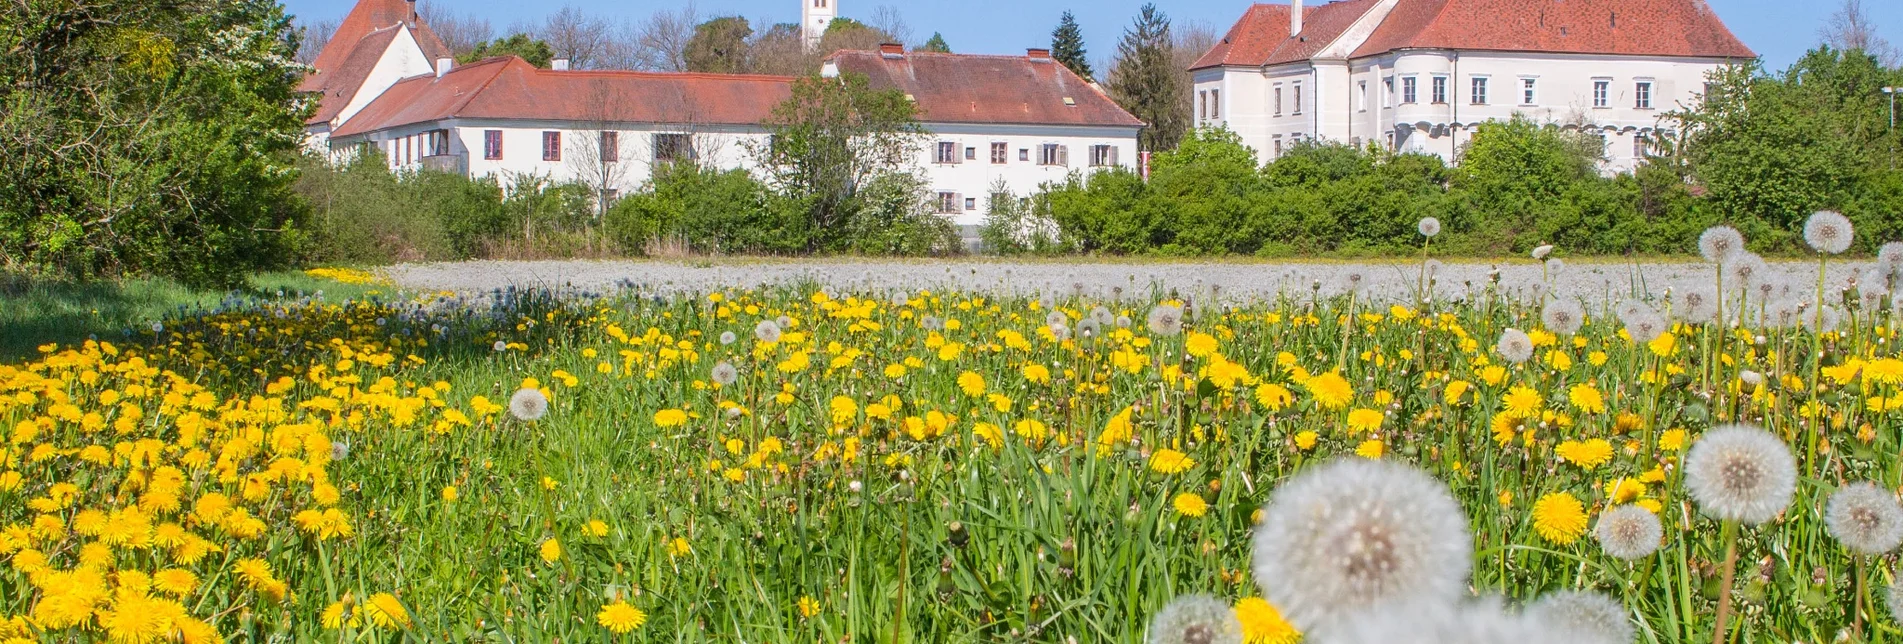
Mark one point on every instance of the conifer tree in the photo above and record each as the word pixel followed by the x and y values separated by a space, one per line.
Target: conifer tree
pixel 1145 81
pixel 1067 46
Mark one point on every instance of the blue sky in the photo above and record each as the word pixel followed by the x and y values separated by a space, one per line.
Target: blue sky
pixel 1779 30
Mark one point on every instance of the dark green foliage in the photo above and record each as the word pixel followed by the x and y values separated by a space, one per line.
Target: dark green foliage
pixel 1067 46
pixel 719 46
pixel 831 138
pixel 145 137
pixel 710 211
pixel 537 52
pixel 1147 83
pixel 936 44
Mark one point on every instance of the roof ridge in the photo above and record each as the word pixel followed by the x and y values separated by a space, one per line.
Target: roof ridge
pixel 652 74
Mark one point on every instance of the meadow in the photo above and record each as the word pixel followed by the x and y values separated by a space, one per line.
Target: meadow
pixel 798 464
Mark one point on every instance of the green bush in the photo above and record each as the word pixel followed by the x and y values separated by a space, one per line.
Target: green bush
pixel 710 211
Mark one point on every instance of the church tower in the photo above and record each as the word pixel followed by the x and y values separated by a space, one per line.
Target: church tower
pixel 815 16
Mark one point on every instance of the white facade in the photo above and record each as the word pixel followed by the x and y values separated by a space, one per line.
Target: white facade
pixel 815 17
pixel 1430 100
pixel 403 58
pixel 1024 157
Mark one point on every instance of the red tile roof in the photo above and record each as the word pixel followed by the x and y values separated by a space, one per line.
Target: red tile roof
pixel 355 47
pixel 1619 27
pixel 963 88
pixel 1261 37
pixel 511 88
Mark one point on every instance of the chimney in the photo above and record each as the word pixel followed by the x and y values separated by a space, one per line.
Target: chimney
pixel 1294 18
pixel 559 64
pixel 892 50
pixel 1037 54
pixel 413 17
pixel 443 65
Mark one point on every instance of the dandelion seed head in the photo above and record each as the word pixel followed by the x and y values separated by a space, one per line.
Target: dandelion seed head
pixel 1055 318
pixel 1563 316
pixel 767 331
pixel 501 346
pixel 1581 617
pixel 1428 226
pixel 1060 331
pixel 1356 533
pixel 1695 306
pixel 1433 268
pixel 1195 619
pixel 1123 322
pixel 1828 232
pixel 1741 473
pixel 1720 244
pixel 1103 316
pixel 1166 320
pixel 1484 621
pixel 1823 321
pixel 1514 345
pixel 1629 532
pixel 1890 258
pixel 528 404
pixel 1542 251
pixel 339 450
pixel 1745 270
pixel 1865 518
pixel 725 374
pixel 1646 326
pixel 727 337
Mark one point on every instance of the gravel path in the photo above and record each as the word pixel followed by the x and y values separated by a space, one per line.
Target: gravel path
pixel 1594 282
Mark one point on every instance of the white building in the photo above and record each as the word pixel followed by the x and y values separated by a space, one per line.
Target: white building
pixel 1419 75
pixel 1022 120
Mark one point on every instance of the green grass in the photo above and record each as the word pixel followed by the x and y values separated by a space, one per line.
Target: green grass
pixel 38 311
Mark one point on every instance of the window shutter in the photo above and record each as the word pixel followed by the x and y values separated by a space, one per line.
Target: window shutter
pixel 1113 156
pixel 958 203
pixel 1063 155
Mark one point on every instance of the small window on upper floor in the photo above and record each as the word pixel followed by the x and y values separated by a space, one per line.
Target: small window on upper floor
pixel 1479 90
pixel 551 146
pixel 1642 95
pixel 1602 93
pixel 1527 95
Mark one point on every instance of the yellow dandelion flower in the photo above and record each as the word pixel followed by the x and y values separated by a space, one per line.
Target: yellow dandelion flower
pixel 1200 344
pixel 449 493
pixel 551 550
pixel 621 618
pixel 1523 402
pixel 971 383
pixel 1587 399
pixel 1037 374
pixel 1190 504
pixel 1455 391
pixel 386 611
pixel 1330 390
pixel 1364 420
pixel 1672 440
pixel 1371 448
pixel 1273 397
pixel 1169 461
pixel 808 606
pixel 1263 624
pixel 1559 517
pixel 177 582
pixel 670 418
pixel 1306 440
pixel 1587 454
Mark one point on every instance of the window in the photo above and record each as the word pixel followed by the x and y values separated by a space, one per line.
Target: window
pixel 1103 156
pixel 1479 90
pixel 1361 93
pixel 1278 101
pixel 610 147
pixel 407 157
pixel 947 152
pixel 1278 147
pixel 1203 105
pixel 1408 87
pixel 1439 89
pixel 1000 153
pixel 1642 95
pixel 439 142
pixel 1526 92
pixel 947 202
pixel 1638 146
pixel 1602 93
pixel 1215 104
pixel 673 147
pixel 1387 92
pixel 971 203
pixel 1024 154
pixel 551 146
pixel 971 154
pixel 1052 154
pixel 1298 98
pixel 492 144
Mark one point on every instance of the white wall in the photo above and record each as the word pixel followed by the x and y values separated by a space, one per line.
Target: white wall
pixel 1247 99
pixel 971 179
pixel 402 59
pixel 722 147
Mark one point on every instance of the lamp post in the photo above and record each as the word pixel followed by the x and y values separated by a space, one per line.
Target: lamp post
pixel 1892 92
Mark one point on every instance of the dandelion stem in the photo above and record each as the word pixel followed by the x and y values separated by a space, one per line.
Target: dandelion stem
pixel 1724 582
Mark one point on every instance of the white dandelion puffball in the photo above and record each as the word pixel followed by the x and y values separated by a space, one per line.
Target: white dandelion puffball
pixel 1432 268
pixel 1514 345
pixel 1695 306
pixel 1195 619
pixel 1895 599
pixel 1865 518
pixel 1060 332
pixel 1890 258
pixel 1542 251
pixel 767 331
pixel 1741 473
pixel 501 346
pixel 1580 617
pixel 1563 316
pixel 1345 537
pixel 724 374
pixel 1429 227
pixel 1646 326
pixel 1828 231
pixel 727 337
pixel 339 450
pixel 528 404
pixel 1745 270
pixel 1166 320
pixel 1824 320
pixel 1629 532
pixel 1056 318
pixel 1719 244
pixel 1485 621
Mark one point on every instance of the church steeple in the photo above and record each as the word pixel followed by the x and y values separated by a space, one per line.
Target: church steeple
pixel 815 16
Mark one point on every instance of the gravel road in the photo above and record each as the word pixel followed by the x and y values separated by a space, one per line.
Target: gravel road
pixel 1593 282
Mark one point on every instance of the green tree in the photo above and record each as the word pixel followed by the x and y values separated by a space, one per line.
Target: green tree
pixel 719 46
pixel 1514 172
pixel 936 44
pixel 148 136
pixel 1146 82
pixel 830 138
pixel 536 52
pixel 1067 46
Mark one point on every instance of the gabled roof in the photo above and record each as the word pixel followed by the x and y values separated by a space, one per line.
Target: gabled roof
pixel 1262 38
pixel 963 88
pixel 1685 28
pixel 510 88
pixel 355 48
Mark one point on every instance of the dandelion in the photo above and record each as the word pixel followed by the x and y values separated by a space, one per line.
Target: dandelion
pixel 1195 619
pixel 724 374
pixel 1828 232
pixel 528 404
pixel 1865 518
pixel 1719 244
pixel 1514 345
pixel 1355 533
pixel 1825 321
pixel 1559 517
pixel 1263 624
pixel 971 383
pixel 1696 306
pixel 1629 532
pixel 1166 320
pixel 1890 258
pixel 1589 454
pixel 551 550
pixel 1190 504
pixel 1542 251
pixel 767 331
pixel 727 338
pixel 620 618
pixel 501 346
pixel 1563 316
pixel 1169 461
pixel 1330 390
pixel 1741 473
pixel 1425 621
pixel 1645 326
pixel 1746 270
pixel 807 606
pixel 1581 617
pixel 386 611
pixel 1428 227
